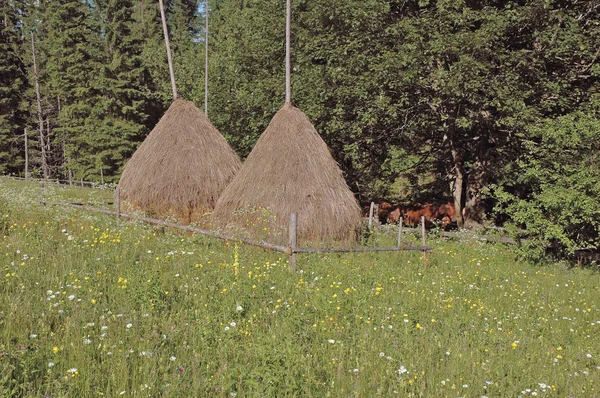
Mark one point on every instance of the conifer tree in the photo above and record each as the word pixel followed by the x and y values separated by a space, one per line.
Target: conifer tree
pixel 13 82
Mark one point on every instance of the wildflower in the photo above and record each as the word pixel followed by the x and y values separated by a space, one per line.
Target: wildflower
pixel 87 341
pixel 128 326
pixel 226 328
pixel 32 336
pixel 239 308
pixel 402 370
pixel 55 349
pixel 50 364
pixel 71 297
pixel 382 354
pixel 331 341
pixel 233 324
pixel 588 355
pixel 172 359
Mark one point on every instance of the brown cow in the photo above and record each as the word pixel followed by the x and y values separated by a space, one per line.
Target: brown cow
pixel 411 214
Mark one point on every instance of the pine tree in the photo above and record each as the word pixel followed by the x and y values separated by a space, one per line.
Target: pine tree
pixel 121 113
pixel 70 45
pixel 13 81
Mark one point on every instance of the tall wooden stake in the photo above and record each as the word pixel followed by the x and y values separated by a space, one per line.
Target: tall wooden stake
pixel 293 241
pixel 118 202
pixel 400 233
pixel 371 210
pixel 39 111
pixel 423 239
pixel 206 60
pixel 169 58
pixel 288 65
pixel 26 155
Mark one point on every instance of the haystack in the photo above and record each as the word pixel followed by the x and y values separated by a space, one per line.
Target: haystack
pixel 181 168
pixel 291 170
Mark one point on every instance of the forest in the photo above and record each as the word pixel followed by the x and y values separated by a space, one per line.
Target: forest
pixel 492 104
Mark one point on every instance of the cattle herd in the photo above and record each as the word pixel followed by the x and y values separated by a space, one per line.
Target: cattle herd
pixel 441 214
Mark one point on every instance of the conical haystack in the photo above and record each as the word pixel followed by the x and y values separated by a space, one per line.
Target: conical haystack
pixel 181 168
pixel 291 170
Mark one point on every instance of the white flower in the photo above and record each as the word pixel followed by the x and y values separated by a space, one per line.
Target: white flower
pixel 172 359
pixel 128 326
pixel 50 364
pixel 32 336
pixel 233 324
pixel 72 370
pixel 226 328
pixel 355 370
pixel 104 327
pixel 331 341
pixel 71 297
pixel 239 308
pixel 87 341
pixel 588 355
pixel 402 370
pixel 382 354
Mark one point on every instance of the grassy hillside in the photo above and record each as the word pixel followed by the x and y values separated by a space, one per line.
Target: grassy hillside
pixel 90 308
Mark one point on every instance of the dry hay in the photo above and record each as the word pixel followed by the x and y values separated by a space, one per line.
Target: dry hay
pixel 181 168
pixel 291 170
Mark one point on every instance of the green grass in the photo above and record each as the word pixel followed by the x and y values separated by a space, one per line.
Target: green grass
pixel 144 311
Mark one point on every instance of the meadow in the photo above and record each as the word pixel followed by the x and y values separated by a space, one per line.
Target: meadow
pixel 92 307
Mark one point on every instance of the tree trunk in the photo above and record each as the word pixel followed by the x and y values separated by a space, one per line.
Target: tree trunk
pixel 26 156
pixel 39 111
pixel 459 172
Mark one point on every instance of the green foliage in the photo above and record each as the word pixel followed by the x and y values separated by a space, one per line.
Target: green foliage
pixel 556 196
pixel 13 82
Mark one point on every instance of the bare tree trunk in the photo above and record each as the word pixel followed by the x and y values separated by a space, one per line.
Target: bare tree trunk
pixel 459 173
pixel 206 61
pixel 39 111
pixel 48 148
pixel 169 58
pixel 26 155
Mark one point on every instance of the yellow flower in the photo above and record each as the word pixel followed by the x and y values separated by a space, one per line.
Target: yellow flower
pixel 55 349
pixel 419 326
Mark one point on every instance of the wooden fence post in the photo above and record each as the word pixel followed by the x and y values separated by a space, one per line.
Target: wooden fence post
pixel 400 233
pixel 293 241
pixel 42 187
pixel 371 210
pixel 423 239
pixel 70 178
pixel 118 202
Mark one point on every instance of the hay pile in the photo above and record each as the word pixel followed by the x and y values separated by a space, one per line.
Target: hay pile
pixel 181 168
pixel 291 170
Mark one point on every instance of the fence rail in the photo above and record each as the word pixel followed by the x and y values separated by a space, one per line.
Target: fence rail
pixel 291 250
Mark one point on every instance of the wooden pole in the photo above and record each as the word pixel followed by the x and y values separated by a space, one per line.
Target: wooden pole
pixel 206 60
pixel 293 241
pixel 101 176
pixel 288 64
pixel 423 239
pixel 169 58
pixel 400 232
pixel 26 155
pixel 118 202
pixel 39 111
pixel 42 188
pixel 70 178
pixel 371 210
